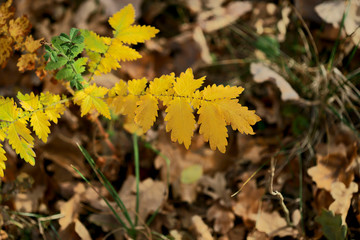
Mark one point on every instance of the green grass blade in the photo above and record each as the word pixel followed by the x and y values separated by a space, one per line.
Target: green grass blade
pixel 106 201
pixel 107 185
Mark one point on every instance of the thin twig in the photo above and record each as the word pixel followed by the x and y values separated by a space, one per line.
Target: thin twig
pixel 278 194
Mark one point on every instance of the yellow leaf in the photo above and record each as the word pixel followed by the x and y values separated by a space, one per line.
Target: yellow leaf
pixel 40 124
pixel 186 85
pixel 93 41
pixel 239 117
pixel 29 102
pixel 180 121
pixel 146 112
pixel 122 19
pixel 27 62
pixel 220 92
pixel 53 108
pixel 136 34
pixel 107 63
pixel 120 89
pixel 121 52
pixel 21 141
pixel 5 50
pixel 19 28
pixel 2 160
pixel 6 12
pixel 213 126
pixel 92 97
pixel 32 45
pixel 160 86
pixel 137 86
pixel 8 110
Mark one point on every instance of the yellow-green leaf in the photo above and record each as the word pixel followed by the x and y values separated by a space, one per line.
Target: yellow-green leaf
pixel 40 123
pixel 122 19
pixel 121 52
pixel 180 121
pixel 191 174
pixel 92 97
pixel 136 34
pixel 2 160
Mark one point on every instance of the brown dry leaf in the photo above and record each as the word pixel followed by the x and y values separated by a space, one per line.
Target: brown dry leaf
pixel 81 230
pixel 283 23
pixel 201 228
pixel 152 195
pixel 342 196
pixel 224 218
pixel 248 202
pixel 331 11
pixel 221 17
pixel 256 235
pixel 332 168
pixel 274 225
pixel 29 201
pixel 263 73
pixel 215 187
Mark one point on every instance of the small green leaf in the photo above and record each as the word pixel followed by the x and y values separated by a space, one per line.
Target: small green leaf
pixel 61 61
pixel 191 174
pixel 332 225
pixel 79 64
pixel 64 73
pixel 73 32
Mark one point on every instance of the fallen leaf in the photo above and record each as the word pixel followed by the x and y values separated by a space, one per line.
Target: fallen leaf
pixel 201 228
pixel 274 225
pixel 263 73
pixel 224 218
pixel 81 230
pixel 331 11
pixel 221 17
pixel 248 202
pixel 331 168
pixel 29 201
pixel 342 196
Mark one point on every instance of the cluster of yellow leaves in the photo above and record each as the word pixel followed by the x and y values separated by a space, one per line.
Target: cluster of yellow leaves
pixel 105 53
pixel 36 110
pixel 14 35
pixel 217 106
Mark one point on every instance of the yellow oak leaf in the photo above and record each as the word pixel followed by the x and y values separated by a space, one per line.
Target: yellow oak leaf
pixel 40 123
pixel 27 62
pixel 2 160
pixel 32 45
pixel 19 28
pixel 146 112
pixel 239 117
pixel 5 50
pixel 137 86
pixel 21 141
pixel 213 126
pixel 180 121
pixel 186 85
pixel 92 97
pixel 6 12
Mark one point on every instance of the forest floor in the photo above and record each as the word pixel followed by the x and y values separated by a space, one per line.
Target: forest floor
pixel 297 176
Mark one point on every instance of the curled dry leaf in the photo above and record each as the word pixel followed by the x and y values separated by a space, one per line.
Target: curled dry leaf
pixel 263 73
pixel 342 196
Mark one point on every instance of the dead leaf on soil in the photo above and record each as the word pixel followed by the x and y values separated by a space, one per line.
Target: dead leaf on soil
pixel 201 228
pixel 263 73
pixel 248 202
pixel 224 218
pixel 221 17
pixel 274 225
pixel 29 201
pixel 342 196
pixel 332 168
